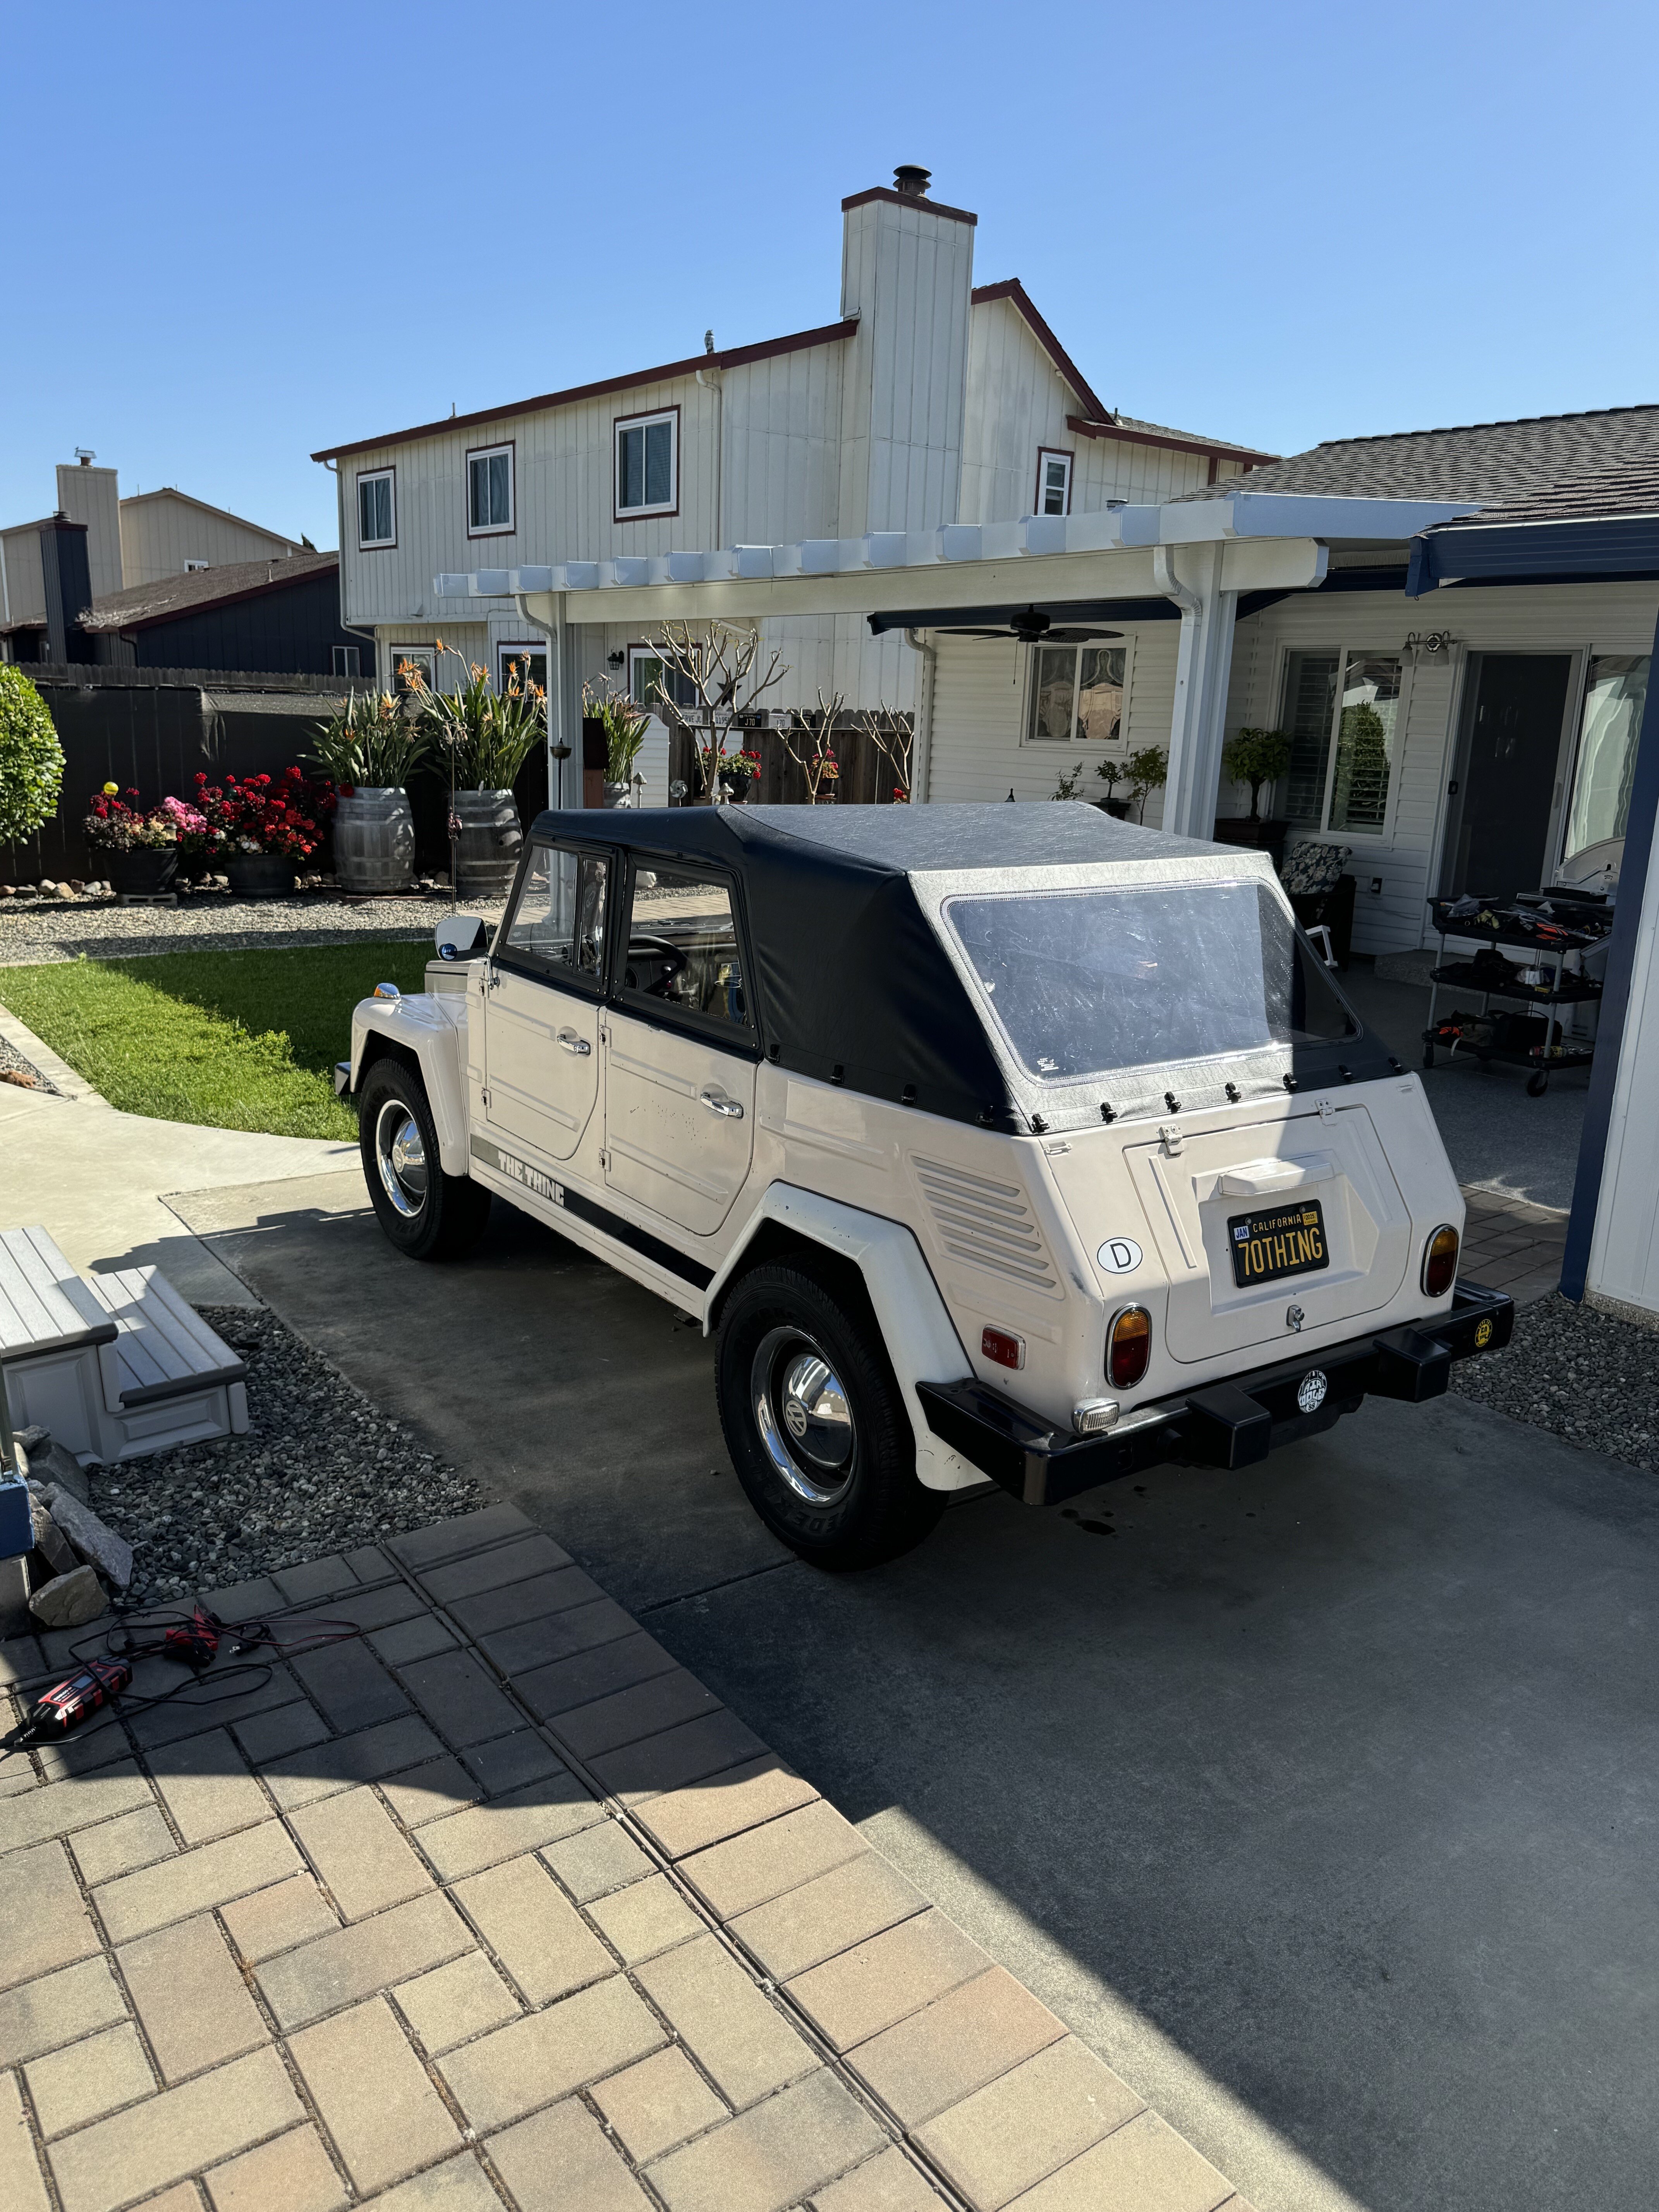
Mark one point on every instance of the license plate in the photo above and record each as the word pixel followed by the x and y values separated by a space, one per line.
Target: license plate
pixel 1289 1240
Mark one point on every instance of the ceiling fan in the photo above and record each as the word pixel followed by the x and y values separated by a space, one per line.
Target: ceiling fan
pixel 1031 626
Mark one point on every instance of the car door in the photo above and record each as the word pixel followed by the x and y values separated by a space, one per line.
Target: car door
pixel 680 1050
pixel 542 1001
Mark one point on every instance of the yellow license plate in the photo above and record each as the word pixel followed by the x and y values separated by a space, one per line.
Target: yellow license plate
pixel 1289 1240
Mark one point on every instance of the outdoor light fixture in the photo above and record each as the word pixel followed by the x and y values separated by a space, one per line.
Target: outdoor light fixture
pixel 1128 1347
pixel 1440 1261
pixel 615 659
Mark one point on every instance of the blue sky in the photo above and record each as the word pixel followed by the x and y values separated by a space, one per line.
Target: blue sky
pixel 249 232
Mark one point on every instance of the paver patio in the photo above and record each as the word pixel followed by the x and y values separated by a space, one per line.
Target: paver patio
pixel 496 1905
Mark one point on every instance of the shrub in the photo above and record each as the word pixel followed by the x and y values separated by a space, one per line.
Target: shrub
pixel 31 758
pixel 1256 757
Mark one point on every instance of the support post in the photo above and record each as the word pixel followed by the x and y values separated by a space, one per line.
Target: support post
pixel 558 718
pixel 1191 576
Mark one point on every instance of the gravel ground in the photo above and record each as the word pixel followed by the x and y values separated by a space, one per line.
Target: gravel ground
pixel 319 1470
pixel 43 930
pixel 1581 1374
pixel 12 1062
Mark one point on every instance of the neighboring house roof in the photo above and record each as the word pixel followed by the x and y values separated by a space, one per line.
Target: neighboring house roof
pixel 733 357
pixel 1487 461
pixel 202 506
pixel 172 596
pixel 1097 419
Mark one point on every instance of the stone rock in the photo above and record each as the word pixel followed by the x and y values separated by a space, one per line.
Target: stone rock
pixel 110 1554
pixel 53 1545
pixel 58 1464
pixel 69 1600
pixel 33 1438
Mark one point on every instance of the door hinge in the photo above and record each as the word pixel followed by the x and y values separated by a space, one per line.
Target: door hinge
pixel 1172 1140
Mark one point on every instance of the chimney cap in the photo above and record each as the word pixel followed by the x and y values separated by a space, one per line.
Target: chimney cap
pixel 912 180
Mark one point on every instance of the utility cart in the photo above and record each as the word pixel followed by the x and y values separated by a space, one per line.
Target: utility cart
pixel 1523 949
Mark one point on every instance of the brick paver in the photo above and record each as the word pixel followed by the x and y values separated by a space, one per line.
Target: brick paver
pixel 497 1889
pixel 1510 1245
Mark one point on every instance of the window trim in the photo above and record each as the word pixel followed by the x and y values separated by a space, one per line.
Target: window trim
pixel 618 424
pixel 1042 746
pixel 525 964
pixel 651 653
pixel 401 651
pixel 510 527
pixel 507 647
pixel 744 1043
pixel 344 653
pixel 376 545
pixel 1046 453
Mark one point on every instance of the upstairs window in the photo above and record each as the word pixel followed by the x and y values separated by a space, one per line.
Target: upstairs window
pixel 195 567
pixel 1054 481
pixel 377 509
pixel 648 464
pixel 489 492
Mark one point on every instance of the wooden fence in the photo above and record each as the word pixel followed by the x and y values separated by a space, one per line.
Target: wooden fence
pixel 866 777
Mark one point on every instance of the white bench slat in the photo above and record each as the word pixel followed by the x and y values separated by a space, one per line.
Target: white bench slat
pixel 163 1348
pixel 43 1302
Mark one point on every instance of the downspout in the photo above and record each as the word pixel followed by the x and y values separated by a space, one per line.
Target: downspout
pixel 333 468
pixel 922 754
pixel 709 379
pixel 553 633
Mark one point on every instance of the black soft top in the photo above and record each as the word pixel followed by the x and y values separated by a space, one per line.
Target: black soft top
pixel 852 984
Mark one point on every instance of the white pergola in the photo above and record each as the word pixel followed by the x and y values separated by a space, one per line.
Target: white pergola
pixel 1199 554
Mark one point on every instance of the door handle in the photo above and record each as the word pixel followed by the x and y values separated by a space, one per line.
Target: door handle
pixel 718 1103
pixel 572 1042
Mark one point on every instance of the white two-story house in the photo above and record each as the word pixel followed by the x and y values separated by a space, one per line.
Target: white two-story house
pixel 927 401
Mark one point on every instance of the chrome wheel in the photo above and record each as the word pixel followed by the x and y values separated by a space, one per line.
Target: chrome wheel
pixel 400 1155
pixel 801 1411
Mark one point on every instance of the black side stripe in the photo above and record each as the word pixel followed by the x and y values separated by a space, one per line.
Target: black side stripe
pixel 596 1217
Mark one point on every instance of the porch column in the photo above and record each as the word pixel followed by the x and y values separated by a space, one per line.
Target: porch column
pixel 1191 576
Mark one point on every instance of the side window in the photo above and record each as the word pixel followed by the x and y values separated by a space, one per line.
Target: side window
pixel 682 949
pixel 557 927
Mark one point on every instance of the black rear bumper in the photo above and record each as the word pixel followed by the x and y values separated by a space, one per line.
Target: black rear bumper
pixel 1227 1424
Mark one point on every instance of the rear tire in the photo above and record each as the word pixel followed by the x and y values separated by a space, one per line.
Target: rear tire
pixel 815 1421
pixel 426 1213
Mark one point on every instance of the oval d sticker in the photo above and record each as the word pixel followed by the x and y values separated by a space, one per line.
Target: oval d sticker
pixel 1119 1255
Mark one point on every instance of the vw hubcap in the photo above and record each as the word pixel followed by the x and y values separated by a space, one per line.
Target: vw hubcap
pixel 401 1157
pixel 801 1411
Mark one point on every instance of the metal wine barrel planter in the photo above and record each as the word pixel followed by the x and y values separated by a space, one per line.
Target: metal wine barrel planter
pixel 143 870
pixel 374 840
pixel 260 875
pixel 487 850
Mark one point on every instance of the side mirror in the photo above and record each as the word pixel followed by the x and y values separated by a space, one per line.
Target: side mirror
pixel 463 937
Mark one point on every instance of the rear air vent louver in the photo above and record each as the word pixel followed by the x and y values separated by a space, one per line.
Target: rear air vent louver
pixel 988 1223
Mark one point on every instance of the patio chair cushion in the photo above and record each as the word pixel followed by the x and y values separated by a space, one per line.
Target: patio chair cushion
pixel 1313 866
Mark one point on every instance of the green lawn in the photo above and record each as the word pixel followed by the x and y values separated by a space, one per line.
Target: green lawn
pixel 230 1040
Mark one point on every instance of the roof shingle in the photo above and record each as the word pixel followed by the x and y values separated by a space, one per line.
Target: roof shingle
pixel 176 595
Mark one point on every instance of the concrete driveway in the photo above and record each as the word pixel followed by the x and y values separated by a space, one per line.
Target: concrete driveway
pixel 1319 1800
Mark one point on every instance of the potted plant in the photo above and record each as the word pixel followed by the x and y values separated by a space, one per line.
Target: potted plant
pixel 141 843
pixel 1111 773
pixel 623 726
pixel 483 737
pixel 1145 772
pixel 1256 757
pixel 739 773
pixel 719 666
pixel 369 749
pixel 266 826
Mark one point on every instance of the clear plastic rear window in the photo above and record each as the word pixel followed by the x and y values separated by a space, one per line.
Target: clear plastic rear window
pixel 1086 983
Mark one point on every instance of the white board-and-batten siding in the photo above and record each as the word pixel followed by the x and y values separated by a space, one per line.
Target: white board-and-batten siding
pixel 1576 619
pixel 1017 405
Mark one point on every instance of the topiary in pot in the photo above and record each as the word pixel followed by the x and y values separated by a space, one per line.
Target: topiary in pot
pixel 31 758
pixel 1256 757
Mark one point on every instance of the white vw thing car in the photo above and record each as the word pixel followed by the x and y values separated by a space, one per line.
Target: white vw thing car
pixel 998 1142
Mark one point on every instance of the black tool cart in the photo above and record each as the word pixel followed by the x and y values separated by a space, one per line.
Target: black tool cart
pixel 1547 934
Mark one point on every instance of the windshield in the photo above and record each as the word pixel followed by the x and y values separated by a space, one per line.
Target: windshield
pixel 1083 982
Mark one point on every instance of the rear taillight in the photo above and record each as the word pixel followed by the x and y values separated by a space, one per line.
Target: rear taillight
pixel 1003 1346
pixel 1128 1347
pixel 1440 1261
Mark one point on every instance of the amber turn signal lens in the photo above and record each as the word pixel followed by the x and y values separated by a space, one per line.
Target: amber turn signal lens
pixel 1128 1347
pixel 1440 1262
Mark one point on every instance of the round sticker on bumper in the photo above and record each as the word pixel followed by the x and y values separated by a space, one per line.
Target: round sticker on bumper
pixel 1119 1255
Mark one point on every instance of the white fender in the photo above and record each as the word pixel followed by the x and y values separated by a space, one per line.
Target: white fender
pixel 916 1329
pixel 433 1028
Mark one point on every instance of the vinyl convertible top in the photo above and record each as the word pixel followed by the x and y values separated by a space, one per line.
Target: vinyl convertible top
pixel 852 984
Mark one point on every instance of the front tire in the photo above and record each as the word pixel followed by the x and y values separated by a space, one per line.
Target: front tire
pixel 426 1213
pixel 814 1419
